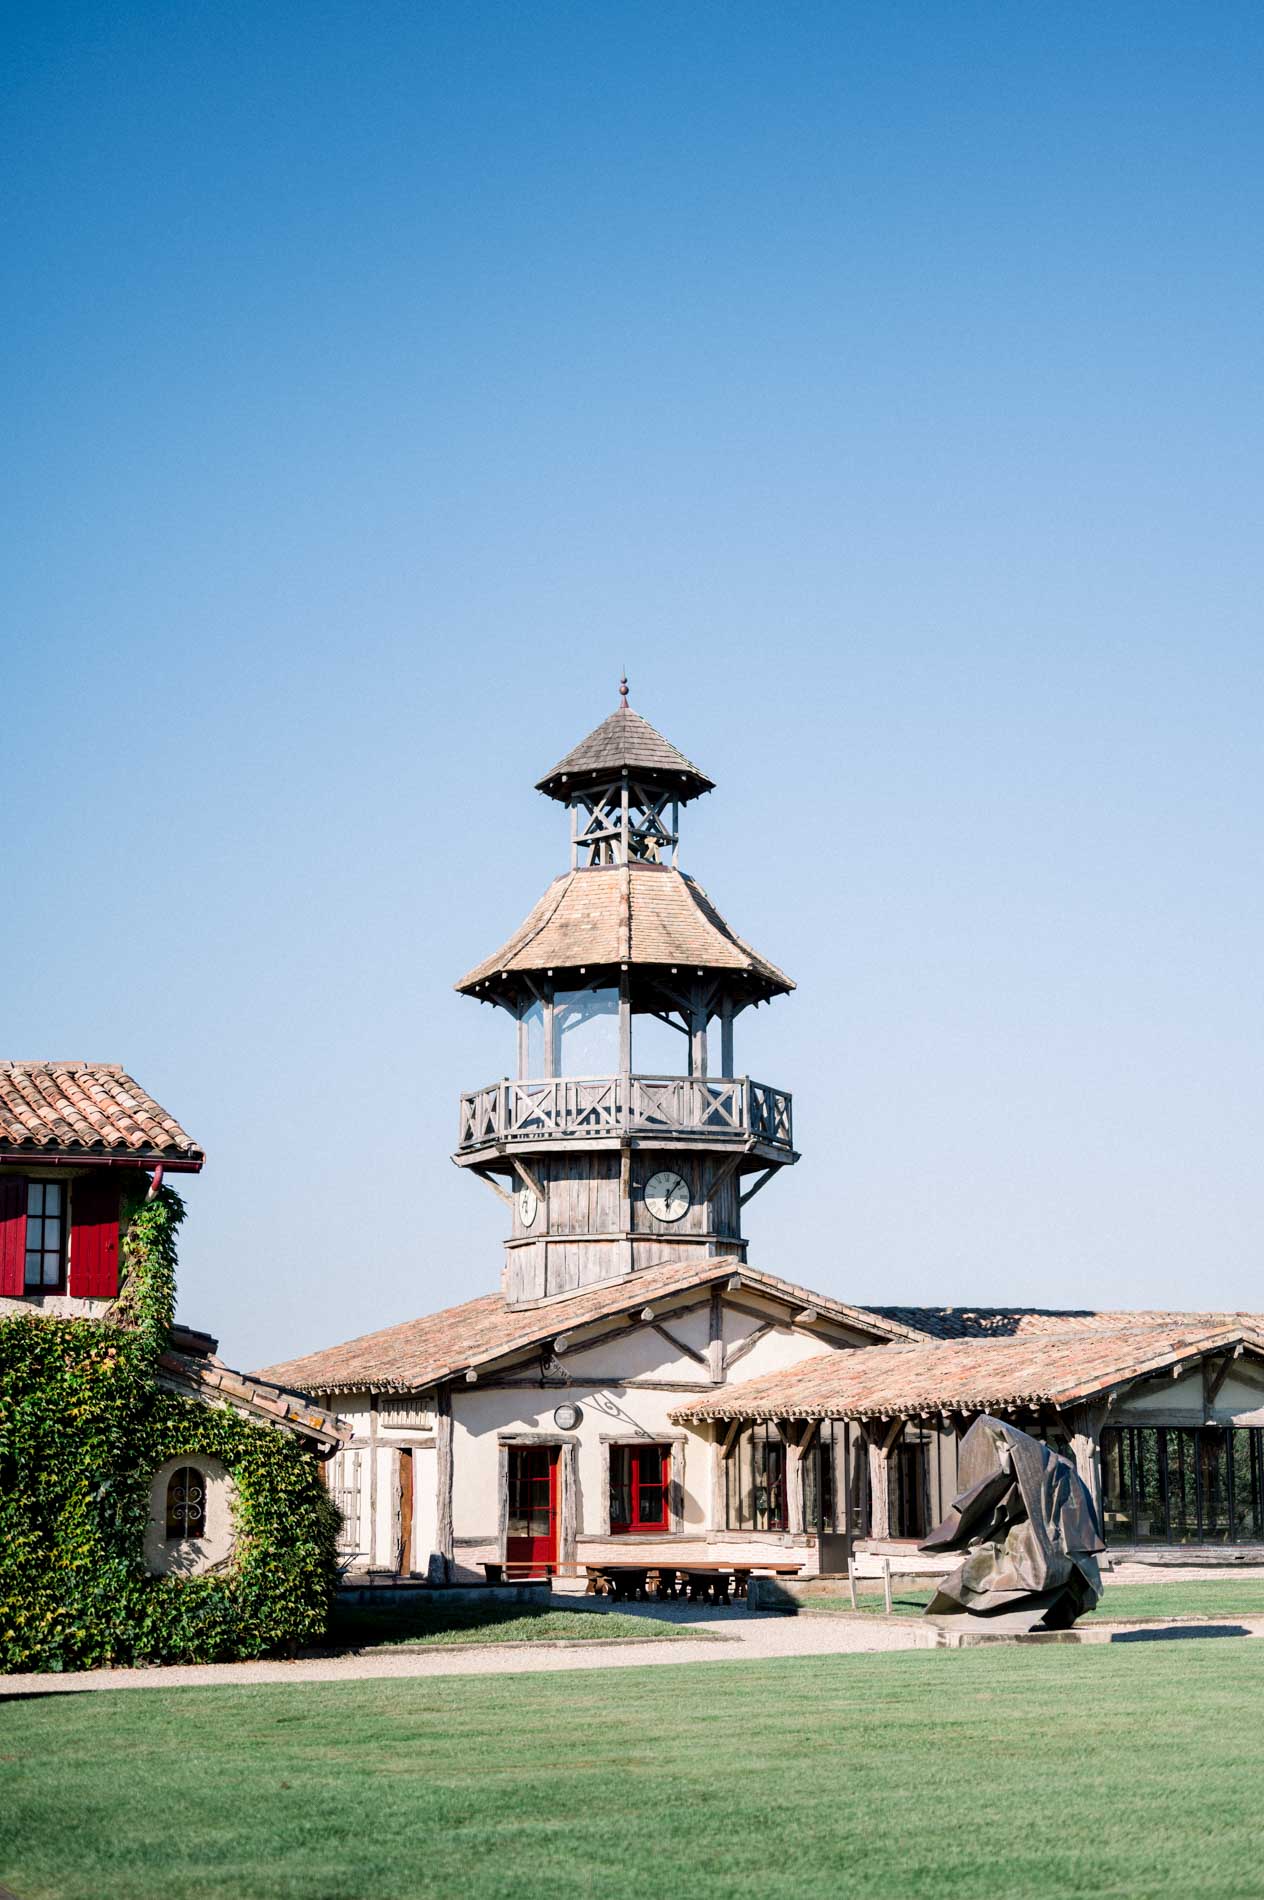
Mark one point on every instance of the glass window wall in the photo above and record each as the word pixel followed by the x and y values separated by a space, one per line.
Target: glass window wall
pixel 1168 1484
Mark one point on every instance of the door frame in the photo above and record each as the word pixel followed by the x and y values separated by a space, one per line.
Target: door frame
pixel 567 1448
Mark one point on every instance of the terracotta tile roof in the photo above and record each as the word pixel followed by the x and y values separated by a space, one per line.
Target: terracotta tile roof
pixel 1011 1322
pixel 633 914
pixel 75 1108
pixel 213 1382
pixel 976 1375
pixel 422 1352
pixel 624 739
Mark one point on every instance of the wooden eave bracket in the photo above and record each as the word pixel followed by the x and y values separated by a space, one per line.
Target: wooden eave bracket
pixel 485 1175
pixel 762 1182
pixel 528 1179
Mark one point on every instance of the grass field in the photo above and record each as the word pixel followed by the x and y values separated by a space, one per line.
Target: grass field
pixel 1134 1769
pixel 1120 1601
pixel 368 1628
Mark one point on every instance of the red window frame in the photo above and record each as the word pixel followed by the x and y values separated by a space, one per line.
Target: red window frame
pixel 639 1486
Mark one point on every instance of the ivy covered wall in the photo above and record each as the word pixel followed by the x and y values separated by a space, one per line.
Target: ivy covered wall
pixel 83 1427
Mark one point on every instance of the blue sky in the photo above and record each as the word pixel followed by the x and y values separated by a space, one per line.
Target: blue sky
pixel 880 386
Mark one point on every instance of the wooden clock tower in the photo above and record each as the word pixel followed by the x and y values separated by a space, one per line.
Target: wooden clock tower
pixel 608 1169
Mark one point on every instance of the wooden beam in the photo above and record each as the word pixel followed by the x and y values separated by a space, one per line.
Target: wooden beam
pixel 751 1192
pixel 494 1185
pixel 528 1179
pixel 723 1173
pixel 443 1482
pixel 715 1337
pixel 690 1352
pixel 1212 1384
pixel 734 1427
pixel 748 1344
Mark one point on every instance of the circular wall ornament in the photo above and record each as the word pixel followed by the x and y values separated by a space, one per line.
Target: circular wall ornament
pixel 527 1206
pixel 567 1417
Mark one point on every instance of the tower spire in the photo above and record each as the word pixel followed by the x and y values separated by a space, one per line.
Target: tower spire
pixel 623 693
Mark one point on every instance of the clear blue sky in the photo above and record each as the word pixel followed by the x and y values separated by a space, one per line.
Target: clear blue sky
pixel 880 385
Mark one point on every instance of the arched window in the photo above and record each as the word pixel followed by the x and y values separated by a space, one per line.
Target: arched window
pixel 186 1504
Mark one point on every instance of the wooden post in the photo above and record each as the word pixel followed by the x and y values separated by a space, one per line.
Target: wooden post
pixel 698 1033
pixel 550 1042
pixel 881 1435
pixel 726 1035
pixel 569 1475
pixel 443 1483
pixel 373 1450
pixel 676 1494
pixel 715 1338
pixel 794 1481
pixel 625 1037
pixel 1086 1429
pixel 624 853
pixel 523 1041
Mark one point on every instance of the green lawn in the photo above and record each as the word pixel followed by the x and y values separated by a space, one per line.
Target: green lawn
pixel 1131 1769
pixel 1120 1601
pixel 369 1628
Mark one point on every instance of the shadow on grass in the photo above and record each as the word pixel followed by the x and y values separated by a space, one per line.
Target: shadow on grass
pixel 358 1627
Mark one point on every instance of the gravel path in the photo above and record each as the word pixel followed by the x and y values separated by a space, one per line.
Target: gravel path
pixel 745 1636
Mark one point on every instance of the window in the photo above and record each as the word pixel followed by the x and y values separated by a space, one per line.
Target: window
pixel 755 1481
pixel 909 1488
pixel 45 1234
pixel 1182 1484
pixel 639 1479
pixel 186 1504
pixel 835 1470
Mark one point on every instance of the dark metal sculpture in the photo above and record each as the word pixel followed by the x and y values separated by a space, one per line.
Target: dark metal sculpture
pixel 1025 1520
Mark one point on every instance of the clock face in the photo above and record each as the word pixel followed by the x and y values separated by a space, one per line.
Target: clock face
pixel 667 1195
pixel 527 1205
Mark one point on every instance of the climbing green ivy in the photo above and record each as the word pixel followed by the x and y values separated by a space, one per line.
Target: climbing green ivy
pixel 84 1425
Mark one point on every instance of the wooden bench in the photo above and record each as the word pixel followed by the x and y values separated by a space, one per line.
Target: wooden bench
pixel 871 1565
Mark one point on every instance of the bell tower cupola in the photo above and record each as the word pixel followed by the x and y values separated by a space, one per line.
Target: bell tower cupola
pixel 608 1164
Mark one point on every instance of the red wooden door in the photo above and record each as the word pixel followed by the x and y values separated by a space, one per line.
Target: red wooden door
pixel 532 1528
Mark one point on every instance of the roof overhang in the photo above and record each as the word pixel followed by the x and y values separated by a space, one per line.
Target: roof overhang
pixel 93 1158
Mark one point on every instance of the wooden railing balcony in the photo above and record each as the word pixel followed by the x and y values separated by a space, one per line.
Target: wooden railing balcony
pixel 732 1109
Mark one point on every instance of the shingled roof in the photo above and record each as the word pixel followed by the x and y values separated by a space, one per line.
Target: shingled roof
pixel 1013 1322
pixel 87 1108
pixel 423 1352
pixel 629 913
pixel 976 1375
pixel 625 739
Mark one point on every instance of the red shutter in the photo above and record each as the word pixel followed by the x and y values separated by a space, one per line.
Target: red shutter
pixel 94 1237
pixel 12 1235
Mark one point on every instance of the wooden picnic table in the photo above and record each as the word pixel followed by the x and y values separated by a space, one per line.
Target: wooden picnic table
pixel 686 1577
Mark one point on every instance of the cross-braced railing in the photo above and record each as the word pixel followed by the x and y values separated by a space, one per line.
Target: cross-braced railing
pixel 583 1107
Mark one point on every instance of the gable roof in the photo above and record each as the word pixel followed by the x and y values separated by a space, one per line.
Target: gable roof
pixel 204 1377
pixel 85 1109
pixel 626 914
pixel 977 1375
pixel 624 739
pixel 424 1352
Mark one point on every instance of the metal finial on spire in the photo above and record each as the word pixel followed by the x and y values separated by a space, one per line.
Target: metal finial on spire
pixel 623 693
